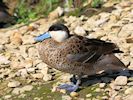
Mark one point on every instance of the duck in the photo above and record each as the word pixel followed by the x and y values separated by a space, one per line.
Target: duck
pixel 76 54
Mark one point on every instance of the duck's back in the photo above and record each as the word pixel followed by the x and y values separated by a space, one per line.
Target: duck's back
pixel 79 55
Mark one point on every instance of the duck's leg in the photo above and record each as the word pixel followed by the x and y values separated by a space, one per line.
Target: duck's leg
pixel 72 87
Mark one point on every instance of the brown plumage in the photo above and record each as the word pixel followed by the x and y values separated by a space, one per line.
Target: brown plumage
pixel 80 55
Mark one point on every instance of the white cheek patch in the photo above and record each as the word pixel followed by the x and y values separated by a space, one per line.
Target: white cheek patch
pixel 59 36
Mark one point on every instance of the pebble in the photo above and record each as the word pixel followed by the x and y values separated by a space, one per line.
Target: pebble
pixel 16 38
pixel 129 90
pixel 14 84
pixel 37 75
pixel 128 97
pixel 88 95
pixel 118 97
pixel 63 91
pixel 44 71
pixel 97 90
pixel 42 66
pixel 23 51
pixel 3 39
pixel 22 95
pixel 26 88
pixel 80 31
pixel 31 70
pixel 74 94
pixel 32 52
pixel 23 72
pixel 22 90
pixel 16 91
pixel 102 85
pixel 115 87
pixel 6 97
pixel 126 30
pixel 105 98
pixel 47 77
pixel 28 63
pixel 66 97
pixel 4 60
pixel 130 83
pixel 121 80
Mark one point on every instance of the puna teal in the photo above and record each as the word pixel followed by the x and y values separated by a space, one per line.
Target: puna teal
pixel 76 54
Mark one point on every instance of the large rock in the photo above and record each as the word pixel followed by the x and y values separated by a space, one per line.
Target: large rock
pixel 121 80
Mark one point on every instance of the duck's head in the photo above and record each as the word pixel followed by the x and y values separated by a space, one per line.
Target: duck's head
pixel 58 32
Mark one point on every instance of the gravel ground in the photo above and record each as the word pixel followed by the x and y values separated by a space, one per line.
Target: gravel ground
pixel 21 68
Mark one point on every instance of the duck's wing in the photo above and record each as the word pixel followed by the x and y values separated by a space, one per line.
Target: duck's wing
pixel 89 50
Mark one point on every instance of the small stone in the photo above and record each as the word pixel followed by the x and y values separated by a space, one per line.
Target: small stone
pixel 7 97
pixel 130 84
pixel 65 77
pixel 66 97
pixel 115 87
pixel 88 95
pixel 102 85
pixel 128 97
pixel 121 80
pixel 44 71
pixel 23 50
pixel 31 70
pixel 37 75
pixel 42 66
pixel 16 38
pixel 26 88
pixel 4 60
pixel 74 94
pixel 15 64
pixel 63 91
pixel 16 91
pixel 126 30
pixel 129 90
pixel 47 77
pixel 22 95
pixel 97 90
pixel 23 30
pixel 31 27
pixel 23 72
pixel 118 97
pixel 14 84
pixel 32 52
pixel 54 89
pixel 28 63
pixel 105 98
pixel 130 79
pixel 101 21
pixel 80 31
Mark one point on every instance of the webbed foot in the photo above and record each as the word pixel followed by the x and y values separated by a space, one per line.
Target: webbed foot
pixel 69 87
